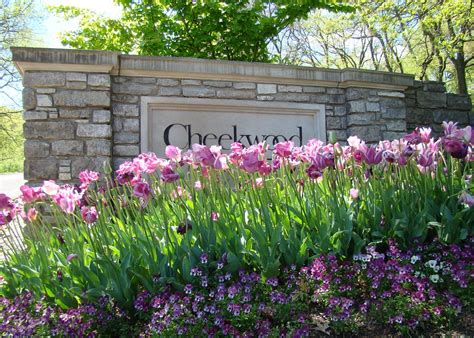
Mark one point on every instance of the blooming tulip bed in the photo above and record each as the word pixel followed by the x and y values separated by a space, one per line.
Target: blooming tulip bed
pixel 323 238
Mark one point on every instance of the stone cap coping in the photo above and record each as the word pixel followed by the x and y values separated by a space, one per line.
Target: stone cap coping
pixel 115 63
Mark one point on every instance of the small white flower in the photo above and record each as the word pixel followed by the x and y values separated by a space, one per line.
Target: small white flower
pixel 434 278
pixel 415 259
pixel 432 263
pixel 436 268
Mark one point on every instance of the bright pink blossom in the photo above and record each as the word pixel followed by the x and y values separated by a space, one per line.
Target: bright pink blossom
pixel 142 189
pixel 31 194
pixel 89 215
pixel 203 155
pixel 283 149
pixel 251 159
pixel 87 177
pixel 173 153
pixel 31 215
pixel 354 193
pixel 67 198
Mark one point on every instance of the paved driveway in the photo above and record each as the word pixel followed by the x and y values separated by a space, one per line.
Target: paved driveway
pixel 10 184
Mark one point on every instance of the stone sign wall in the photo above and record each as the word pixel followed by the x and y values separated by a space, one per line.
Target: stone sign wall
pixel 84 109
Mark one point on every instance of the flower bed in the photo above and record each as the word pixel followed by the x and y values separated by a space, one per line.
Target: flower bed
pixel 320 237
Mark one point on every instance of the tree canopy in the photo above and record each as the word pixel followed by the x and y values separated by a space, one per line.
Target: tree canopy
pixel 230 29
pixel 432 39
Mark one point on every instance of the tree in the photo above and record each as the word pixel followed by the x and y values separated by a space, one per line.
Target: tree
pixel 432 39
pixel 231 29
pixel 16 18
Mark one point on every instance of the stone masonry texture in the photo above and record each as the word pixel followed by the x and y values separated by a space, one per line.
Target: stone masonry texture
pixel 89 117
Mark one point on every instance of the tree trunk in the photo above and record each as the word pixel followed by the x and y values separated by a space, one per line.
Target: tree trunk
pixel 460 65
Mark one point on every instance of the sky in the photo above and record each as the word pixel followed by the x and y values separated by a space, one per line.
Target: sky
pixel 47 31
pixel 52 25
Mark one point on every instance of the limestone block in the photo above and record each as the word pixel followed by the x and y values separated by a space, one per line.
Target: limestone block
pixel 326 98
pixel 369 133
pixel 433 86
pixel 46 90
pixel 67 147
pixel 390 94
pixel 101 116
pixel 76 85
pixel 244 85
pixel 357 107
pixel 99 148
pixel 29 98
pixel 130 110
pixel 117 124
pixel 266 88
pixel 236 94
pixel 341 135
pixel 373 106
pixel 392 103
pixel 290 89
pixel 198 91
pixel 340 110
pixel 98 80
pixel 75 113
pixel 167 82
pixel 360 119
pixel 94 130
pixel 431 100
pixel 44 100
pixel 333 122
pixel 126 150
pixel 308 89
pixel 392 135
pixel 131 125
pixel 53 115
pixel 292 97
pixel 44 79
pixel 394 113
pixel 219 84
pixel 95 163
pixel 125 98
pixel 169 91
pixel 35 115
pixel 81 98
pixel 396 125
pixel 451 115
pixel 265 98
pixel 134 88
pixel 73 76
pixel 459 102
pixel 65 176
pixel 129 138
pixel 34 149
pixel 356 93
pixel 64 162
pixel 41 169
pixel 59 130
pixel 337 91
pixel 191 82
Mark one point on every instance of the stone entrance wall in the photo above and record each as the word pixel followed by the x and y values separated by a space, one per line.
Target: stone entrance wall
pixel 83 108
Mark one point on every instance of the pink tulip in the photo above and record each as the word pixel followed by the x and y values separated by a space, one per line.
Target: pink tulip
pixel 203 155
pixel 250 159
pixel 221 162
pixel 283 149
pixel 87 177
pixel 89 214
pixel 142 189
pixel 354 193
pixel 173 153
pixel 50 188
pixel 456 148
pixel 31 215
pixel 425 159
pixel 67 198
pixel 168 175
pixel 214 216
pixel 5 202
pixel 30 195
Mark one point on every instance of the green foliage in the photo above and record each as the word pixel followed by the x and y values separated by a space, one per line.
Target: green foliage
pixel 11 141
pixel 288 219
pixel 233 30
pixel 430 39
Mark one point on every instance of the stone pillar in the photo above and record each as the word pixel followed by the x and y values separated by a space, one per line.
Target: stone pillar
pixel 67 124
